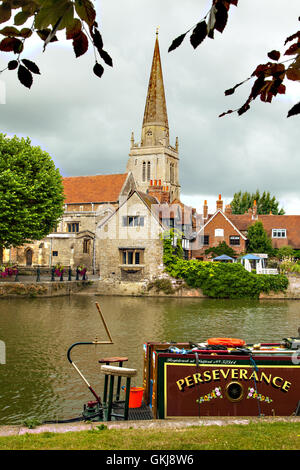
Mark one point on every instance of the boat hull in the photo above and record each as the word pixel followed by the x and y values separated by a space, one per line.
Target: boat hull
pixel 216 384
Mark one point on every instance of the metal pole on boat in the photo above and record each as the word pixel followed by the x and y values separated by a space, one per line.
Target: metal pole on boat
pixel 79 372
pixel 89 343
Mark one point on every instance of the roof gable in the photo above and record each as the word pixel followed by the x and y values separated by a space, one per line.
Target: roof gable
pixel 226 218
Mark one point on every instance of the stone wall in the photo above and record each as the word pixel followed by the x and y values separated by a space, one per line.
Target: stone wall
pixel 45 289
pixel 292 292
pixel 113 237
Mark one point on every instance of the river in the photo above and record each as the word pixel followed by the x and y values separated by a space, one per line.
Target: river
pixel 38 382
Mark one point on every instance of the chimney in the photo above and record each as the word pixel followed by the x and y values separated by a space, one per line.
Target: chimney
pixel 220 203
pixel 254 211
pixel 228 209
pixel 161 193
pixel 205 210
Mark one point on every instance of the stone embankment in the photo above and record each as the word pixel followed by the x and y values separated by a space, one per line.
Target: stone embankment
pixel 43 289
pixel 162 287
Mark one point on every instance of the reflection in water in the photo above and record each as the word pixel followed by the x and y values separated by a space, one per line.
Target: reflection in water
pixel 37 380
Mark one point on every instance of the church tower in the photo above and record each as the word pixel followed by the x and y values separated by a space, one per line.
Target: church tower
pixel 154 162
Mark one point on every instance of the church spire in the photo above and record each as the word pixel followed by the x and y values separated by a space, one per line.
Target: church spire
pixel 155 130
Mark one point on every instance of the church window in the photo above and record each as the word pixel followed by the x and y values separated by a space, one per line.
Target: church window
pixel 148 171
pixel 144 171
pixel 171 172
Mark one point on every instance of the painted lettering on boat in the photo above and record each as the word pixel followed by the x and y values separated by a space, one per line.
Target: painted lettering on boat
pixel 216 375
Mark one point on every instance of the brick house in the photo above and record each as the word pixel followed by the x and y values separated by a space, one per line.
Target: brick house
pixel 222 225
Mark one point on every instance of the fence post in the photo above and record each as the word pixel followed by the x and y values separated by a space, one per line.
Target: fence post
pixel 70 274
pixel 52 274
pixel 38 274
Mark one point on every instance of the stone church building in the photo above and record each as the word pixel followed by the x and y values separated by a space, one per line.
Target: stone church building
pixel 112 224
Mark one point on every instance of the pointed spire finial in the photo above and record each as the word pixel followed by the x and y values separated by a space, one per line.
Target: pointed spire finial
pixel 157 29
pixel 155 115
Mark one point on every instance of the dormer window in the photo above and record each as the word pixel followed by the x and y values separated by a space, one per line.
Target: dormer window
pixel 279 233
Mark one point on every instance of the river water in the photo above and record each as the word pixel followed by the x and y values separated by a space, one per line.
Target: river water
pixel 38 382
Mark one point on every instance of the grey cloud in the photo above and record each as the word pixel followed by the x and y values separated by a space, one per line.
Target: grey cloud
pixel 85 123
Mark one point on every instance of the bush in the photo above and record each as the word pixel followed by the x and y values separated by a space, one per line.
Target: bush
pixel 221 280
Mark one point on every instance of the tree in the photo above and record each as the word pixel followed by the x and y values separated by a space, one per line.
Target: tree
pixel 258 240
pixel 265 204
pixel 77 18
pixel 31 192
pixel 221 249
pixel 268 78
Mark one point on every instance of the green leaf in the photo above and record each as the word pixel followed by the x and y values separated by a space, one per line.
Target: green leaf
pixel 21 18
pixel 9 31
pixel 85 10
pixel 5 12
pixel 73 29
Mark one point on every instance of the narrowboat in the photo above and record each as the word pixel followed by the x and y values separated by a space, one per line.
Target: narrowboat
pixel 217 377
pixel 222 377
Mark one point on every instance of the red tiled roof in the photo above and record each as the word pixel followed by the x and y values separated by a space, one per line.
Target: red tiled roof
pixel 97 188
pixel 289 222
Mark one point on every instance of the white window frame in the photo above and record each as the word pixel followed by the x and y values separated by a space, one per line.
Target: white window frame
pixel 276 232
pixel 219 232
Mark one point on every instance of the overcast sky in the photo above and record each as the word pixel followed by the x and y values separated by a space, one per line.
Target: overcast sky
pixel 85 123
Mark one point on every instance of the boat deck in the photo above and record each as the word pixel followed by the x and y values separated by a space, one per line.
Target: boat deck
pixel 144 412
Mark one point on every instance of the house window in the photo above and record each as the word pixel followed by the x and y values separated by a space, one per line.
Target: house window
pixel 219 232
pixel 73 227
pixel 133 221
pixel 131 256
pixel 234 240
pixel 278 233
pixel 205 240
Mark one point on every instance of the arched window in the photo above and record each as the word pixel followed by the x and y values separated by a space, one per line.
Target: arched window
pixel 171 172
pixel 148 171
pixel 144 171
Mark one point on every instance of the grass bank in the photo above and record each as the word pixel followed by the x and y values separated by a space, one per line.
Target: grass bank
pixel 258 436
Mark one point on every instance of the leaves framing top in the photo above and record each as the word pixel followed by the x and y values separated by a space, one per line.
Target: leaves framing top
pixel 76 17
